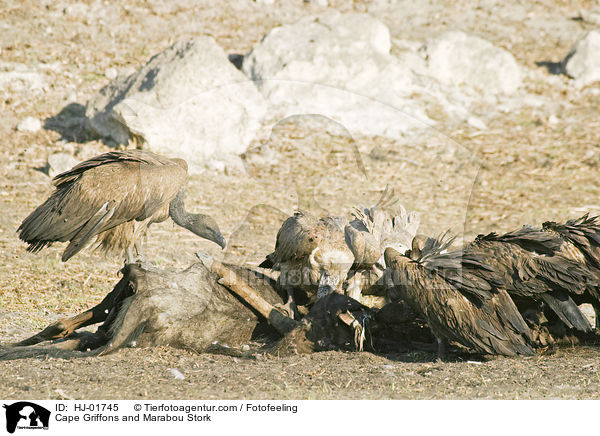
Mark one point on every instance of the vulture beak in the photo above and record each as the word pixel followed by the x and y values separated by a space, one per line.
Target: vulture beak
pixel 220 240
pixel 327 284
pixel 207 228
pixel 202 225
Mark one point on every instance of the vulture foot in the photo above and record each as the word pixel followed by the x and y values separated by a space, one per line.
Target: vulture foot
pixel 442 349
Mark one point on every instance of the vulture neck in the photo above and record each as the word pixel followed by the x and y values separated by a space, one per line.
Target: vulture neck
pixel 197 223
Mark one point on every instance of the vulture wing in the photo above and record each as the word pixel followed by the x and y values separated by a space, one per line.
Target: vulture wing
pixel 133 185
pixel 463 269
pixel 88 231
pixel 584 233
pixel 530 239
pixel 491 326
pixel 550 279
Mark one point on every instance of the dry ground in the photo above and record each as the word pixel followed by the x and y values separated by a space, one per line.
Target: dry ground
pixel 530 166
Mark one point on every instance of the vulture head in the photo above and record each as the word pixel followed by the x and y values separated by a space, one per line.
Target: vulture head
pixel 333 266
pixel 202 225
pixel 418 244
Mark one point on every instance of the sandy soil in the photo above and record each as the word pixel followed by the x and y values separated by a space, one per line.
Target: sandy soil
pixel 529 166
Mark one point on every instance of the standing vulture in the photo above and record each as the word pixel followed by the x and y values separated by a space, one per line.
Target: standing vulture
pixel 114 197
pixel 533 276
pixel 312 256
pixel 459 306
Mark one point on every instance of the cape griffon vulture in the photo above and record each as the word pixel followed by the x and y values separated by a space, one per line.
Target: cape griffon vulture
pixel 387 224
pixel 533 276
pixel 312 257
pixel 114 197
pixel 317 256
pixel 577 240
pixel 458 305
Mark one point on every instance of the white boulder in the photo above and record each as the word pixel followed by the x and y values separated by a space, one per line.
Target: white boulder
pixel 339 66
pixel 59 163
pixel 187 101
pixel 583 63
pixel 16 77
pixel 29 124
pixel 459 59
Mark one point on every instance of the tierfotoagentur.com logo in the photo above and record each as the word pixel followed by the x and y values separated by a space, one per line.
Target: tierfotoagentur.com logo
pixel 26 415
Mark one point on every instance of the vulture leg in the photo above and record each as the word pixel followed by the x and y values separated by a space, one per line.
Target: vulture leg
pixel 327 284
pixel 130 258
pixel 442 348
pixel 135 254
pixel 354 286
pixel 139 251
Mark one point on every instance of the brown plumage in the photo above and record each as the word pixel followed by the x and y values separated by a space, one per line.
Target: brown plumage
pixel 114 197
pixel 579 241
pixel 532 275
pixel 312 256
pixel 457 305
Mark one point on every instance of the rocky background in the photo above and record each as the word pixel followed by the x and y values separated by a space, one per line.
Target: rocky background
pixel 480 115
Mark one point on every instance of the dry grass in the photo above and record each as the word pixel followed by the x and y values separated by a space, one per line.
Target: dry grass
pixel 526 168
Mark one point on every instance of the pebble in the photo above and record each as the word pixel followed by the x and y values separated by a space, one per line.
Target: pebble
pixel 177 375
pixel 60 162
pixel 29 124
pixel 591 16
pixel 476 123
pixel 111 73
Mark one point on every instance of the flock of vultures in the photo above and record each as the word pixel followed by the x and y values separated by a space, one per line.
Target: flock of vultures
pixel 513 294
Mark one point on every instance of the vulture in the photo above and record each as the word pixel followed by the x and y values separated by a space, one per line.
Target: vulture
pixel 578 240
pixel 312 257
pixel 317 256
pixel 114 197
pixel 368 235
pixel 458 305
pixel 533 276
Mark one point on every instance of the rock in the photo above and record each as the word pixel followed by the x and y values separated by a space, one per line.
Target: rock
pixel 477 123
pixel 339 66
pixel 16 77
pixel 583 63
pixel 592 16
pixel 77 10
pixel 60 162
pixel 459 59
pixel 188 101
pixel 29 124
pixel 176 374
pixel 321 3
pixel 111 73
